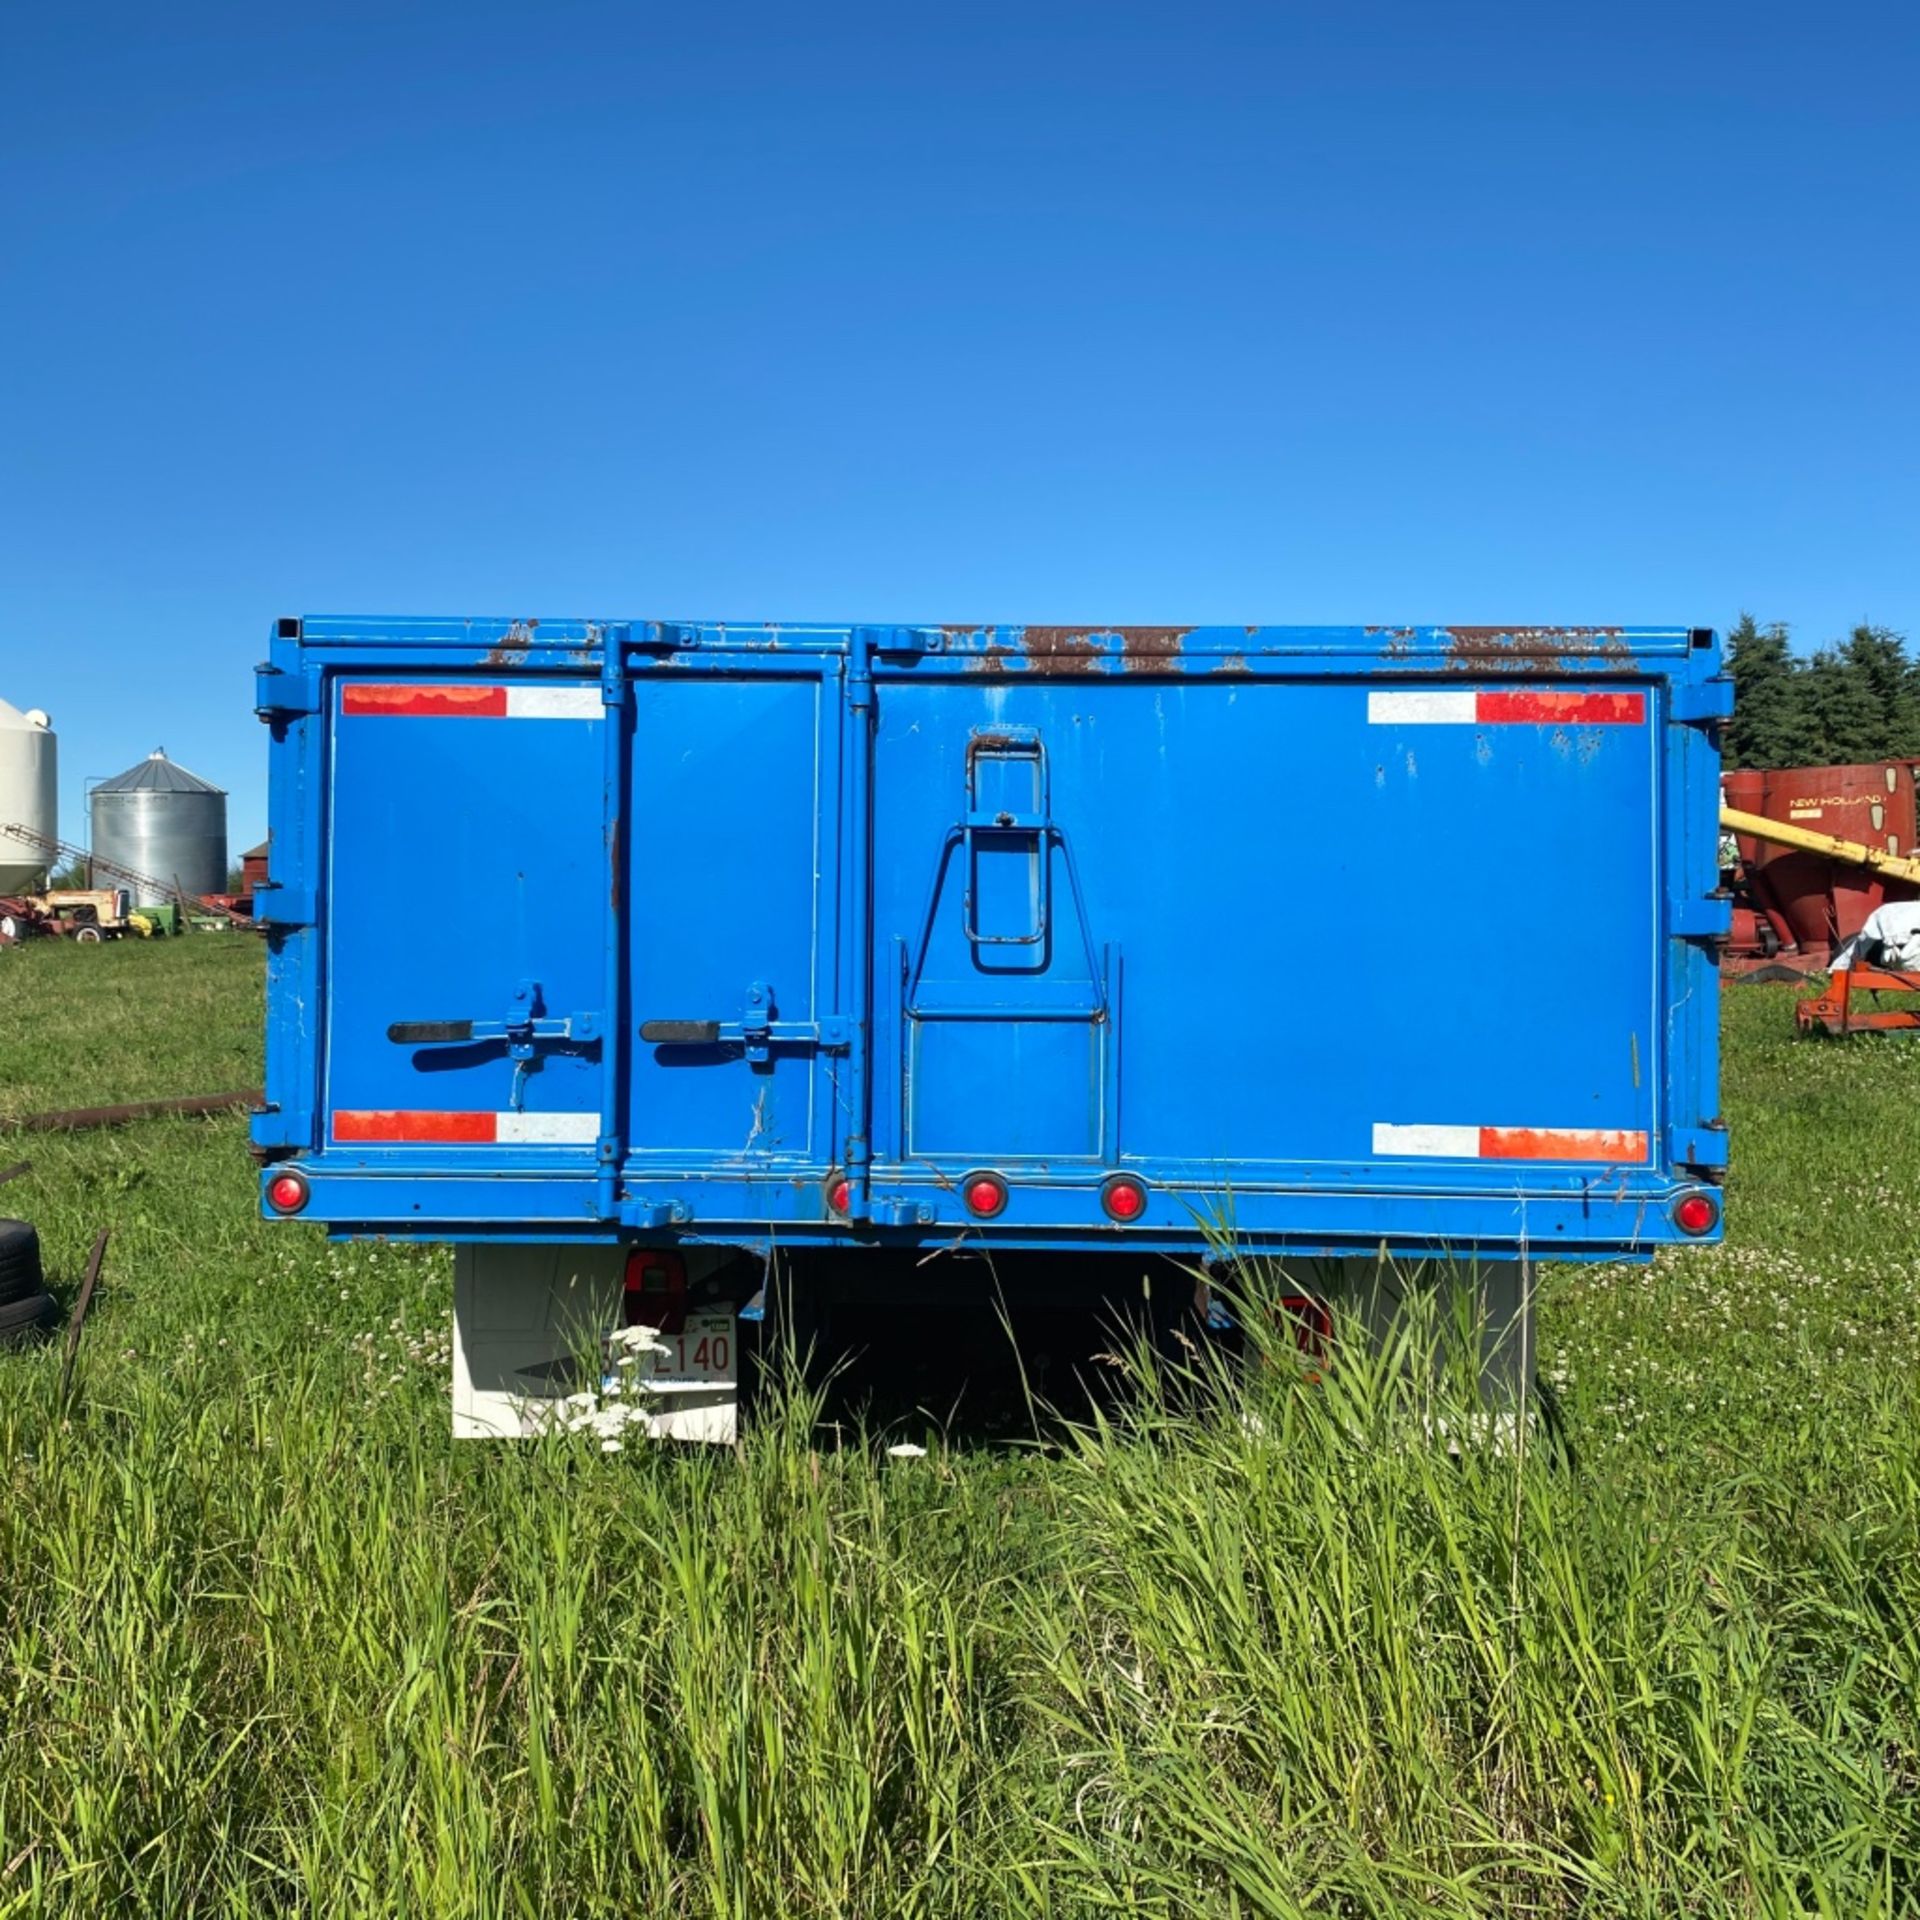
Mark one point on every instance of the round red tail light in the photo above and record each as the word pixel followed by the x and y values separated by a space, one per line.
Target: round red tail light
pixel 1696 1213
pixel 839 1194
pixel 1124 1198
pixel 985 1194
pixel 654 1292
pixel 288 1192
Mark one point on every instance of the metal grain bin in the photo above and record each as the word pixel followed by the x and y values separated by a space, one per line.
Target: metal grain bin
pixel 27 796
pixel 159 820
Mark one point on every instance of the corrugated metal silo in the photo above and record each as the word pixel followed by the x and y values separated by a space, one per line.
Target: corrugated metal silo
pixel 27 793
pixel 160 820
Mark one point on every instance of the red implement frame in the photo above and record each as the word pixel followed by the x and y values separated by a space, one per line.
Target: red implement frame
pixel 1834 1010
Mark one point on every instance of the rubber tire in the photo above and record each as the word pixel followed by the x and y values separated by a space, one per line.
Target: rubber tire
pixel 88 935
pixel 20 1270
pixel 22 1322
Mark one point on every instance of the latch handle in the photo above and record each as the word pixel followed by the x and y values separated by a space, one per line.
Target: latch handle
pixel 429 1033
pixel 680 1033
pixel 756 1034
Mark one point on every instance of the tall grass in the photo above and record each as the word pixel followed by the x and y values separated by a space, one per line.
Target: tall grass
pixel 1306 1658
pixel 1232 1645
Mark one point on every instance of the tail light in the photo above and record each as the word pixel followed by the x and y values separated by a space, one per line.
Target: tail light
pixel 985 1194
pixel 1311 1322
pixel 288 1192
pixel 656 1290
pixel 1124 1198
pixel 1696 1213
pixel 839 1194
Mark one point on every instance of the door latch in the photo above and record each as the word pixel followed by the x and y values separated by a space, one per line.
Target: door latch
pixel 526 1028
pixel 757 1032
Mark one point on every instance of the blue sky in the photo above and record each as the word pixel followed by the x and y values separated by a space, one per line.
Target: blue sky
pixel 1369 311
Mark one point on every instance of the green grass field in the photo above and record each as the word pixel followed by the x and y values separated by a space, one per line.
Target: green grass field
pixel 273 1646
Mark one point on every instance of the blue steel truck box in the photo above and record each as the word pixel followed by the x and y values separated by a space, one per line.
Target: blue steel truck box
pixel 635 957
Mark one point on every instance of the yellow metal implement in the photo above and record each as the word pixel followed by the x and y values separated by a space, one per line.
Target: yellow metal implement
pixel 1894 865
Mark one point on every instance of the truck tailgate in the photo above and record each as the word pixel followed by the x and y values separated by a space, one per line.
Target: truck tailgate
pixel 1307 938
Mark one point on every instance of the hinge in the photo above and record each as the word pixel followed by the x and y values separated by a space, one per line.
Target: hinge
pixel 1703 917
pixel 902 640
pixel 662 636
pixel 279 695
pixel 1700 703
pixel 271 1137
pixel 1701 1146
pixel 285 908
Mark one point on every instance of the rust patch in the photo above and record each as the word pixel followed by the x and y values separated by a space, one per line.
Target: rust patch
pixel 1536 649
pixel 993 660
pixel 1560 639
pixel 512 644
pixel 1234 663
pixel 1151 649
pixel 1058 650
pixel 993 743
pixel 1061 649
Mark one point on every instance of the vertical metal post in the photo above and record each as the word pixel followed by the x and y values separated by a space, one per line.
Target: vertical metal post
pixel 859 869
pixel 609 1149
pixel 291 696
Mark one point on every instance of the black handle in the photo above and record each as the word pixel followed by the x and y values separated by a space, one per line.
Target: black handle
pixel 425 1033
pixel 680 1033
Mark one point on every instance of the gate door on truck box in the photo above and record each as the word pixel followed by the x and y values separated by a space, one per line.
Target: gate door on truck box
pixel 734 884
pixel 1364 930
pixel 469 882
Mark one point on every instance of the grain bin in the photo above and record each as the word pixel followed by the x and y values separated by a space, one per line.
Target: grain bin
pixel 160 820
pixel 27 795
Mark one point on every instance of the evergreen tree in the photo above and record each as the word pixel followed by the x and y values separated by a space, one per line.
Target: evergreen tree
pixel 1844 718
pixel 1878 656
pixel 1767 724
pixel 1858 700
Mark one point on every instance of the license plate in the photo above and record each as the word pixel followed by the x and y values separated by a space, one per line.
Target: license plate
pixel 677 1386
pixel 704 1354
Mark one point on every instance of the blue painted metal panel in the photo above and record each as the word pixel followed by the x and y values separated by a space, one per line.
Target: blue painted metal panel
pixel 1331 936
pixel 468 887
pixel 730 880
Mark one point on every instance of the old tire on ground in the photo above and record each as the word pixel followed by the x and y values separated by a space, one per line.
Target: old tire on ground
pixel 23 1321
pixel 88 935
pixel 20 1271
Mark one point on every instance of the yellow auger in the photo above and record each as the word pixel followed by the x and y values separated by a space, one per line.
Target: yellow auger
pixel 1896 866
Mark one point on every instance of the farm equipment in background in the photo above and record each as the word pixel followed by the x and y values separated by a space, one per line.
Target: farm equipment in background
pixel 1810 861
pixel 1833 1009
pixel 85 914
pixel 112 913
pixel 1893 877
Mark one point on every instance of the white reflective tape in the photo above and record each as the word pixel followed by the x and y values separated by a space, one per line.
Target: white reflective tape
pixel 547 1129
pixel 532 702
pixel 1421 709
pixel 1433 1143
